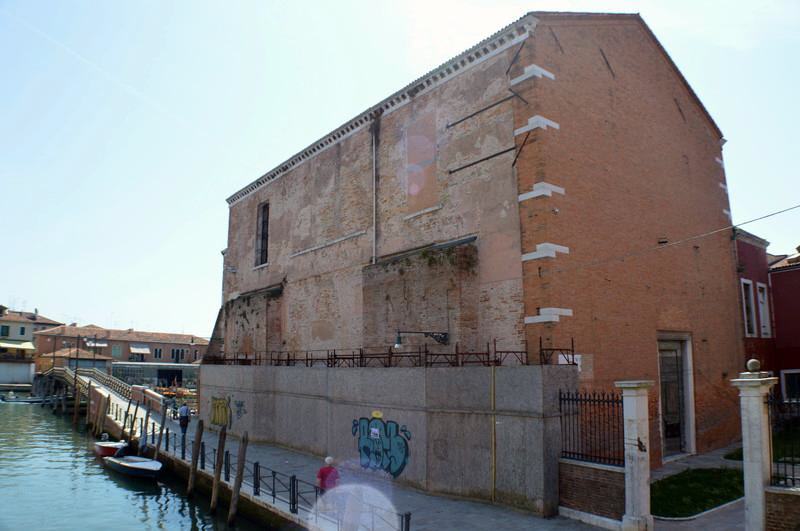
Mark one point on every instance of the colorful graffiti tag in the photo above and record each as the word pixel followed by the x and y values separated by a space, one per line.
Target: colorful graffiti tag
pixel 382 445
pixel 221 411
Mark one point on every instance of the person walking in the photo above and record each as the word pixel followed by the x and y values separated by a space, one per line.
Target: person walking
pixel 183 416
pixel 327 476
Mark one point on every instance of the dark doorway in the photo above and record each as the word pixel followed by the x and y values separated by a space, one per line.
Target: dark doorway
pixel 671 369
pixel 168 377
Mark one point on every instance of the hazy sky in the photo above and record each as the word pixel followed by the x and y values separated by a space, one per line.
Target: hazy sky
pixel 124 126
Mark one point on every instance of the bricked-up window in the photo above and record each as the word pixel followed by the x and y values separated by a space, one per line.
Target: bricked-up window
pixel 262 235
pixel 748 305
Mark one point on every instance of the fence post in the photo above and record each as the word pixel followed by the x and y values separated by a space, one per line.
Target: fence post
pixel 293 494
pixel 227 465
pixel 637 454
pixel 202 455
pixel 756 442
pixel 256 479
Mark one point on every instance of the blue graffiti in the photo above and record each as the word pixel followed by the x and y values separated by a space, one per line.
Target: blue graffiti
pixel 382 445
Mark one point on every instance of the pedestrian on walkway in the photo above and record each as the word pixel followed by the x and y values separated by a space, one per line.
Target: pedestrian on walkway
pixel 327 476
pixel 183 415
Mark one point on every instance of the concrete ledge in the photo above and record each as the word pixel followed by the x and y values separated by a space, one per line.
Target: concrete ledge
pixel 591 519
pixel 598 466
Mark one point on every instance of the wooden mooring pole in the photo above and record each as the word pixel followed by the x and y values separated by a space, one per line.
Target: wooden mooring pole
pixel 132 433
pixel 125 418
pixel 237 482
pixel 161 429
pixel 196 446
pixel 218 469
pixel 88 403
pixel 77 393
pixel 143 440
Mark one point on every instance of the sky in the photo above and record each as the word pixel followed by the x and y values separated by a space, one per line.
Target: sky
pixel 124 126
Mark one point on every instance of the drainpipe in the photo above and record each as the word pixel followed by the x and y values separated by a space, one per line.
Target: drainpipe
pixel 374 130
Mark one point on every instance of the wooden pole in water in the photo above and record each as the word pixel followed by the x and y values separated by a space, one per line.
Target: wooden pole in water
pixel 102 414
pixel 218 469
pixel 161 429
pixel 133 422
pixel 88 402
pixel 143 444
pixel 237 483
pixel 125 418
pixel 198 438
pixel 77 392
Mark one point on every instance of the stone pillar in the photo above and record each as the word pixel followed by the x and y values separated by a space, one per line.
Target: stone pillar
pixel 637 455
pixel 756 442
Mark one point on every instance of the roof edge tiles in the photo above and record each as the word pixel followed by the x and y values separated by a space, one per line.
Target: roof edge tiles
pixel 499 41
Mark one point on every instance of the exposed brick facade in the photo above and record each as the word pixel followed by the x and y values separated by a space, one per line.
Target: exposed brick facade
pixel 783 509
pixel 639 162
pixel 592 489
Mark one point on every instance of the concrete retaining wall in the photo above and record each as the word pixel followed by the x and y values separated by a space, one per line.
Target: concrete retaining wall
pixel 12 372
pixel 431 428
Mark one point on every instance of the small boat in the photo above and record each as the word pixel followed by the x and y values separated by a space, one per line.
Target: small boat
pixel 134 466
pixel 12 398
pixel 108 448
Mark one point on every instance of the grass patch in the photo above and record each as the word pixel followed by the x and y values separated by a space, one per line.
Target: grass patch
pixel 694 491
pixel 785 444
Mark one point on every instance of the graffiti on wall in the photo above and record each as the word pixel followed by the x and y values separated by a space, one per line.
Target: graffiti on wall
pixel 221 411
pixel 240 409
pixel 382 445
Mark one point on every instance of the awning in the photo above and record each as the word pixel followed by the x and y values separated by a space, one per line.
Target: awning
pixel 140 348
pixel 21 345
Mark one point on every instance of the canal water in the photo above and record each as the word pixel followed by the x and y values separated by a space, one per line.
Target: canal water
pixel 51 480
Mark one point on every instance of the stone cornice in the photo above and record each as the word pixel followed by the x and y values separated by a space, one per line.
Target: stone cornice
pixel 489 47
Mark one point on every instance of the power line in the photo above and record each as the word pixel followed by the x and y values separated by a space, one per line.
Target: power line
pixel 673 244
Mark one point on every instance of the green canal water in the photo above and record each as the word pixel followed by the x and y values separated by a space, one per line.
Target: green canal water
pixel 51 480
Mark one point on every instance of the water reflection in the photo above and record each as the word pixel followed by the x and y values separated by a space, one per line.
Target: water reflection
pixel 50 479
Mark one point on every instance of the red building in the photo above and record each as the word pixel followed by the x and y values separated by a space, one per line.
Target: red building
pixel 769 295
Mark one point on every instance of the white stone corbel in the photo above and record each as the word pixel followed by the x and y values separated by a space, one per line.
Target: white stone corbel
pixel 541 189
pixel 727 212
pixel 545 250
pixel 724 187
pixel 720 162
pixel 532 71
pixel 548 315
pixel 536 122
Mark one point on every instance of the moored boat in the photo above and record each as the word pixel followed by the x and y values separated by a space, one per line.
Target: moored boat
pixel 134 466
pixel 108 448
pixel 19 400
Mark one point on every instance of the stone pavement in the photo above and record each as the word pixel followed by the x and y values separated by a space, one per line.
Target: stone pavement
pixel 428 512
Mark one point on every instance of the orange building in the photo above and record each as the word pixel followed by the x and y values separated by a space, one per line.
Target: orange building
pixel 123 345
pixel 558 182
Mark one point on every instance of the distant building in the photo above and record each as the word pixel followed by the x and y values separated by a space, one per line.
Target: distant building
pixel 72 357
pixel 17 329
pixel 123 345
pixel 16 343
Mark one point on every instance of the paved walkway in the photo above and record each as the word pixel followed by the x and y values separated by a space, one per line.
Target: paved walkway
pixel 730 518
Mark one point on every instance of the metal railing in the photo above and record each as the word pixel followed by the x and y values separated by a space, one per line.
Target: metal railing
pixel 784 418
pixel 592 427
pixel 420 356
pixel 280 489
pixel 114 384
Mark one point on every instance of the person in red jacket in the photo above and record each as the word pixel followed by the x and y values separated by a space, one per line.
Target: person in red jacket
pixel 327 476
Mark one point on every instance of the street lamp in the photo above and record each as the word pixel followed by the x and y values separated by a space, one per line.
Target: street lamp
pixel 443 338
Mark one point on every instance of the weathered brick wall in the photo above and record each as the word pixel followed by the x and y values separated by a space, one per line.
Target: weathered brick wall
pixel 783 509
pixel 592 489
pixel 636 157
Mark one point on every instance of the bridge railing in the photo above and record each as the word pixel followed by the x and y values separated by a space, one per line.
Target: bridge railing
pixel 114 384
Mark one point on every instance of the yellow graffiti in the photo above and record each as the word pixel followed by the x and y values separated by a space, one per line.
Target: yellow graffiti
pixel 220 411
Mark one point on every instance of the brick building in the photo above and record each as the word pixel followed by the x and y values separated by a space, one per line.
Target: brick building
pixel 17 329
pixel 542 186
pixel 122 345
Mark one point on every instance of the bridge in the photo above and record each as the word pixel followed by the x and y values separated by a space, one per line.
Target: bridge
pixel 138 414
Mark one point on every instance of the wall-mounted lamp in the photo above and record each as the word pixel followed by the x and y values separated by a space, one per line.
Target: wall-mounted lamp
pixel 440 337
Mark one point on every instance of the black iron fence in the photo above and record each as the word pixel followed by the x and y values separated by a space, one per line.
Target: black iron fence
pixel 784 417
pixel 419 356
pixel 592 427
pixel 285 491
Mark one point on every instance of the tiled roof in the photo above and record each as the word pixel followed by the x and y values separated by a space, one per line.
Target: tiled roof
pixel 137 336
pixel 15 316
pixel 72 353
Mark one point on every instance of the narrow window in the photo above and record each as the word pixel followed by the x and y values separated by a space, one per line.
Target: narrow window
pixel 22 330
pixel 748 305
pixel 4 331
pixel 790 384
pixel 763 310
pixel 262 235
